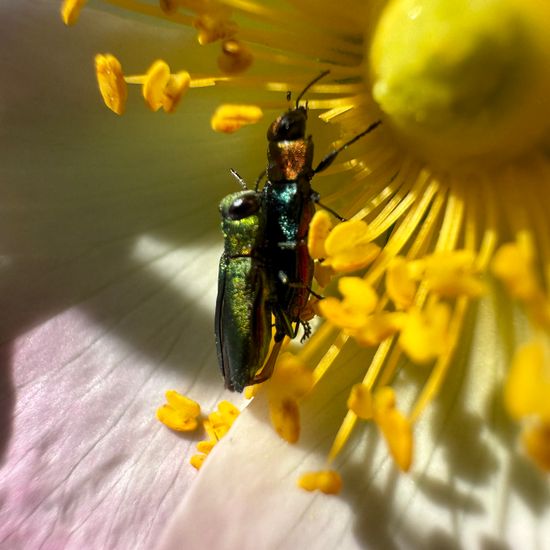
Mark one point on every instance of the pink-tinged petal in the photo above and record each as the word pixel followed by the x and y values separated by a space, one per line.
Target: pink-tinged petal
pixel 469 487
pixel 109 244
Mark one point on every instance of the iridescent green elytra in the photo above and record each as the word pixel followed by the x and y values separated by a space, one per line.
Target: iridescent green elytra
pixel 243 314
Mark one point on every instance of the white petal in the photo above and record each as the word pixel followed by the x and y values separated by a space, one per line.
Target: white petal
pixel 109 243
pixel 468 489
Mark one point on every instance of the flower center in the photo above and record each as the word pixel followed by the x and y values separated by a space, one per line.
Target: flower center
pixel 463 82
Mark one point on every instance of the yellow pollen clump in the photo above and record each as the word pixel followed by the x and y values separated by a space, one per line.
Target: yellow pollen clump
pixel 70 11
pixel 180 413
pixel 235 57
pixel 400 285
pixel 216 426
pixel 424 333
pixel 326 481
pixel 230 118
pixel 110 80
pixel 163 89
pixel 349 248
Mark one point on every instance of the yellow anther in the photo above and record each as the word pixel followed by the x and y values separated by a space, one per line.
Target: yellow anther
pixel 285 418
pixel 182 403
pixel 360 401
pixel 216 426
pixel 527 389
pixel 349 248
pixel 452 274
pixel 378 327
pixel 291 377
pixel 353 311
pixel 514 266
pixel 424 333
pixel 221 420
pixel 197 460
pixel 536 442
pixel 70 11
pixel 228 410
pixel 180 413
pixel 359 292
pixel 235 57
pixel 395 427
pixel 290 381
pixel 326 481
pixel 214 25
pixel 206 446
pixel 208 428
pixel 110 80
pixel 319 229
pixel 163 89
pixel 230 118
pixel 400 285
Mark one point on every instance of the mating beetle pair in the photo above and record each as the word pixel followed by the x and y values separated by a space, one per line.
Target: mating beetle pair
pixel 265 269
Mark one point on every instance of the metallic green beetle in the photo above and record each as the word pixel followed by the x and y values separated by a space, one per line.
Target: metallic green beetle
pixel 243 312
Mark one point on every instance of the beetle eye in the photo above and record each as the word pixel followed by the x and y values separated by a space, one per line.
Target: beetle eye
pixel 243 206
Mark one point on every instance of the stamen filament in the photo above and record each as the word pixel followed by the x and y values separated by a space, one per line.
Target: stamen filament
pixel 350 419
pixel 435 380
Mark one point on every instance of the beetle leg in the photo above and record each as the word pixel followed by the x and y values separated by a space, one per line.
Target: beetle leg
pixel 315 197
pixel 259 179
pixel 329 158
pixel 267 370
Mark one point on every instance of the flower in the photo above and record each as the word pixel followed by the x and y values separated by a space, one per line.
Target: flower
pixel 450 199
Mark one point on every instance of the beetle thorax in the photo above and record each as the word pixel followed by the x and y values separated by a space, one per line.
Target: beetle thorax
pixel 289 159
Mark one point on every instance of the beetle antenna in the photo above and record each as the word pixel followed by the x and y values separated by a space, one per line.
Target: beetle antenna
pixel 242 183
pixel 314 81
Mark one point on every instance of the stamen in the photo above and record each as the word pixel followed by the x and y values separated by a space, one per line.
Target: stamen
pixel 319 229
pixel 162 89
pixel 326 481
pixel 235 57
pixel 349 247
pixel 514 266
pixel 359 302
pixel 527 390
pixel 214 25
pixel 291 381
pixel 180 413
pixel 400 285
pixel 70 11
pixel 216 426
pixel 395 427
pixel 230 118
pixel 110 80
pixel 424 335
